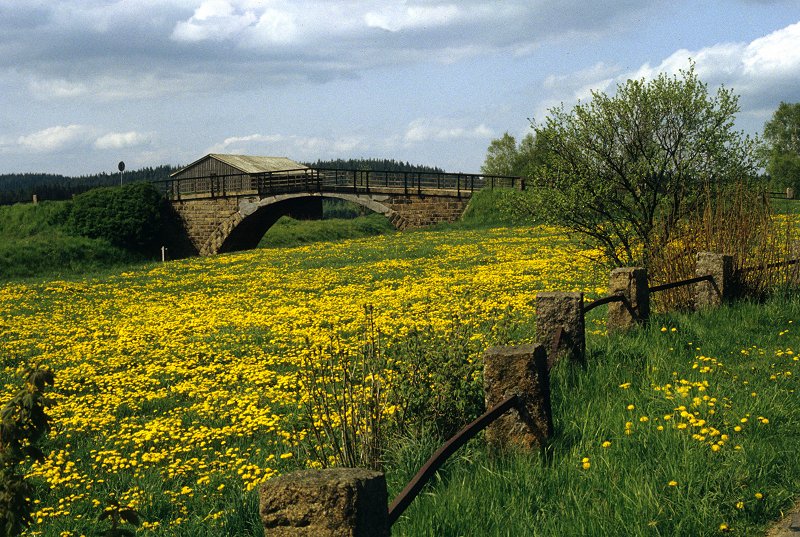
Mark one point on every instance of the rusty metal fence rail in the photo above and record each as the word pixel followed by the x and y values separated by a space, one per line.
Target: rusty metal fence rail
pixel 414 487
pixel 768 266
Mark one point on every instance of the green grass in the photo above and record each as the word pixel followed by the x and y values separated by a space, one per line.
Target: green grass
pixel 290 232
pixel 784 206
pixel 626 490
pixel 35 244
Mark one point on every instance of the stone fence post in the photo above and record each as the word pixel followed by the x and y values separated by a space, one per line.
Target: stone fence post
pixel 720 267
pixel 335 502
pixel 789 193
pixel 520 371
pixel 631 283
pixel 561 311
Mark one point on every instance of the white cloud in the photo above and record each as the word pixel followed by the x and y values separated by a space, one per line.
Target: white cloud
pixel 122 86
pixel 214 20
pixel 72 48
pixel 292 146
pixel 394 18
pixel 119 140
pixel 440 129
pixel 762 72
pixel 777 54
pixel 55 138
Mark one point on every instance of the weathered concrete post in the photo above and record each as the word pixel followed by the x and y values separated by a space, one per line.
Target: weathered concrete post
pixel 631 283
pixel 336 502
pixel 561 311
pixel 789 193
pixel 720 267
pixel 520 371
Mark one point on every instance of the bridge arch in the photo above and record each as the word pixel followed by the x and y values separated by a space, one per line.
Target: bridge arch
pixel 243 229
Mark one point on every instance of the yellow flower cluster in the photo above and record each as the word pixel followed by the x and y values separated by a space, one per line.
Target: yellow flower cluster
pixel 184 373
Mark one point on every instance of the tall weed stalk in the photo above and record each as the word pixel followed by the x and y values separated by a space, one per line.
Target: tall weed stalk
pixel 737 221
pixel 346 403
pixel 355 404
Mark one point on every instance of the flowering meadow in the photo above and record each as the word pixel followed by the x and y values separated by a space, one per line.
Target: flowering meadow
pixel 176 389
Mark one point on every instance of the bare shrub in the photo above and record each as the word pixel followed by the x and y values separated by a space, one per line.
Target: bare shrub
pixel 737 221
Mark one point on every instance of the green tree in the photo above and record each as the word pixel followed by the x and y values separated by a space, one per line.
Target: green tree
pixel 624 170
pixel 505 157
pixel 501 157
pixel 782 134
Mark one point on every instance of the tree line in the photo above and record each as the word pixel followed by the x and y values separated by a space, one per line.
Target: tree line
pixel 369 164
pixel 19 187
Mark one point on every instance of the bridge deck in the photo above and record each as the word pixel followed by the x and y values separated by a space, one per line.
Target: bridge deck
pixel 317 180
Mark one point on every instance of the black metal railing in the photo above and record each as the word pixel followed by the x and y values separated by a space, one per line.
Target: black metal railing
pixel 332 180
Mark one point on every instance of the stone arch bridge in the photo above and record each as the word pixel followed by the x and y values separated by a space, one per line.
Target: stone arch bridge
pixel 224 213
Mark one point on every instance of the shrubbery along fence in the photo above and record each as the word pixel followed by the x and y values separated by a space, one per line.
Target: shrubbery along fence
pixel 353 502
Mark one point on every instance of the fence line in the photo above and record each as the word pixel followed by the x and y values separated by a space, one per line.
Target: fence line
pixel 770 266
pixel 527 394
pixel 673 285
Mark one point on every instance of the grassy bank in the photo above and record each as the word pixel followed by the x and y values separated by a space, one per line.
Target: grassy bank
pixel 290 232
pixel 685 427
pixel 34 243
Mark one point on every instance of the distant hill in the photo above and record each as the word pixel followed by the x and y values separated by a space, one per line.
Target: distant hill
pixel 16 187
pixel 372 164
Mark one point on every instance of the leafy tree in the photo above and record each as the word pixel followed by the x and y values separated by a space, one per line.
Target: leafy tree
pixel 501 157
pixel 782 134
pixel 128 216
pixel 625 170
pixel 505 157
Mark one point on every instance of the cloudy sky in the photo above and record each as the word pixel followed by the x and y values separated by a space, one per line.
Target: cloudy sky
pixel 87 83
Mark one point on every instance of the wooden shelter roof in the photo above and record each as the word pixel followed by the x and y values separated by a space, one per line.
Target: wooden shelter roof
pixel 249 163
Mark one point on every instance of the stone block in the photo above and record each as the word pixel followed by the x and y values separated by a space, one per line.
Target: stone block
pixel 520 371
pixel 721 288
pixel 631 283
pixel 335 502
pixel 561 311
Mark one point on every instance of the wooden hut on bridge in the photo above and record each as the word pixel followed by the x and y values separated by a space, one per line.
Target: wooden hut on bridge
pixel 224 174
